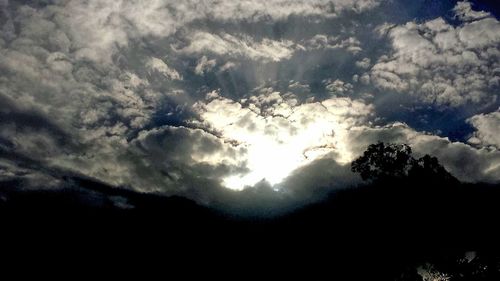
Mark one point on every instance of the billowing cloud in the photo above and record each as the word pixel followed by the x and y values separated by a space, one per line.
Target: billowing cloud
pixel 281 135
pixel 98 28
pixel 487 129
pixel 482 164
pixel 442 64
pixel 272 98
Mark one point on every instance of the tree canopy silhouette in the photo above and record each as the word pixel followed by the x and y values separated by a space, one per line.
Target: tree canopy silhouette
pixel 395 161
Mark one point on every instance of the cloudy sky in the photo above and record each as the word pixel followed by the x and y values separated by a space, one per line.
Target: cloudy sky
pixel 243 104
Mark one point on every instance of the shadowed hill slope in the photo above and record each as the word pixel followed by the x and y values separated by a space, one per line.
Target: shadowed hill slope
pixel 384 229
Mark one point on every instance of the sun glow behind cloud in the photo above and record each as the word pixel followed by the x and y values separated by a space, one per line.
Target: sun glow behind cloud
pixel 105 89
pixel 279 135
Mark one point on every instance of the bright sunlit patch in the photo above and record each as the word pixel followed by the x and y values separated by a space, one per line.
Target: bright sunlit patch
pixel 280 136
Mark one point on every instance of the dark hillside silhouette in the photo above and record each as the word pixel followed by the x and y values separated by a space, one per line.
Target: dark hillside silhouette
pixel 409 213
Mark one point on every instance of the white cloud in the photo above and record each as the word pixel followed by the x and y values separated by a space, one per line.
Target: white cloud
pixel 254 10
pixel 482 164
pixel 280 135
pixel 97 28
pixel 487 129
pixel 321 41
pixel 228 66
pixel 205 65
pixel 91 105
pixel 282 138
pixel 92 78
pixel 45 69
pixel 463 11
pixel 156 64
pixel 364 63
pixel 338 87
pixel 442 64
pixel 238 47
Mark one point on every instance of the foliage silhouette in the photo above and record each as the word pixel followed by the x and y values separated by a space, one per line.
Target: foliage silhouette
pixel 376 231
pixel 383 162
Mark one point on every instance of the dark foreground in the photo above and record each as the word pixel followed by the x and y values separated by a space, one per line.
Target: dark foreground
pixel 376 232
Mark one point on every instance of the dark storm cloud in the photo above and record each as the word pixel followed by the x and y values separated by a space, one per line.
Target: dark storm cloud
pixel 29 121
pixel 178 152
pixel 175 98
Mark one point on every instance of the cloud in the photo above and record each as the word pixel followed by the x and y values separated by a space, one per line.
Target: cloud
pixel 463 11
pixel 441 64
pixel 26 178
pixel 191 97
pixel 279 134
pixel 231 46
pixel 487 127
pixel 155 64
pixel 167 160
pixel 321 41
pixel 255 10
pixel 186 145
pixel 205 65
pixel 61 109
pixel 25 132
pixel 483 164
pixel 338 87
pixel 314 181
pixel 98 29
pixel 364 63
pixel 170 154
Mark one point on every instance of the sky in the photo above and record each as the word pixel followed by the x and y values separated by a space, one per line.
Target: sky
pixel 248 106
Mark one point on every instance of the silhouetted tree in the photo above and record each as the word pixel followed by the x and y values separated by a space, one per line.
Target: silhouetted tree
pixel 381 161
pixel 428 168
pixel 394 161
